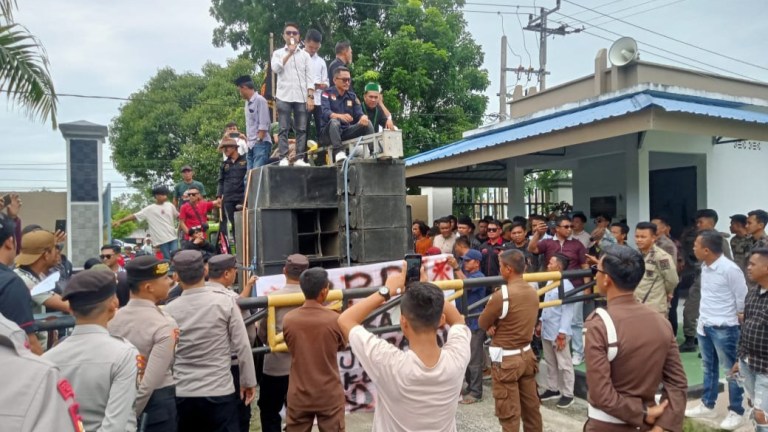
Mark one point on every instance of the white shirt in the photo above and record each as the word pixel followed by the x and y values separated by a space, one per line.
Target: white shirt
pixel 723 290
pixel 318 69
pixel 161 219
pixel 584 237
pixel 412 396
pixel 557 319
pixel 294 77
pixel 445 244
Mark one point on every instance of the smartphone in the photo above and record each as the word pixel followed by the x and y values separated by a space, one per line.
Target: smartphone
pixel 61 225
pixel 413 269
pixel 234 135
pixel 7 200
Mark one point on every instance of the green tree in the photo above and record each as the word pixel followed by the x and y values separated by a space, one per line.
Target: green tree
pixel 124 205
pixel 420 51
pixel 175 120
pixel 24 74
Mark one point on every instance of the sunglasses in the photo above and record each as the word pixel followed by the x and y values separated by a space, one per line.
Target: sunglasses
pixel 291 33
pixel 193 193
pixel 492 229
pixel 346 80
pixel 566 226
pixel 596 270
pixel 106 256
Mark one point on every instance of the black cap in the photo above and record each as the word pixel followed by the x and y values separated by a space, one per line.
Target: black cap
pixel 186 168
pixel 466 220
pixel 146 267
pixel 296 263
pixel 187 260
pixel 222 262
pixel 90 287
pixel 739 218
pixel 243 80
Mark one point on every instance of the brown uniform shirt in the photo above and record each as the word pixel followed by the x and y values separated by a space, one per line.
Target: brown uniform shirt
pixel 516 330
pixel 647 355
pixel 313 337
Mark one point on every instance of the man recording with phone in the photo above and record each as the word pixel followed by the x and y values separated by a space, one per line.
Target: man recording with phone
pixel 425 379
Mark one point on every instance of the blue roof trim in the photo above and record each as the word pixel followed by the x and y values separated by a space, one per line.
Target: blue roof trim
pixel 599 111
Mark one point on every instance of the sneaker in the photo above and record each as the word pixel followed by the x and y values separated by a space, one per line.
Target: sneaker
pixel 577 359
pixel 340 156
pixel 689 345
pixel 283 162
pixel 549 395
pixel 732 421
pixel 300 163
pixel 700 411
pixel 565 402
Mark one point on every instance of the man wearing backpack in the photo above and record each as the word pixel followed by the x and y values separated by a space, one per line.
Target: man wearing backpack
pixel 629 351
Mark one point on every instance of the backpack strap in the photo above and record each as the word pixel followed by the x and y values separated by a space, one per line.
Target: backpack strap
pixel 613 342
pixel 505 302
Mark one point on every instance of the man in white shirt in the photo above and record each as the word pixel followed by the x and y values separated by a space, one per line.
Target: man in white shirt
pixel 723 290
pixel 418 390
pixel 319 70
pixel 446 240
pixel 161 217
pixel 295 93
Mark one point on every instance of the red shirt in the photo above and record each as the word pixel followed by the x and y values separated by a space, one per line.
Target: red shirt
pixel 190 219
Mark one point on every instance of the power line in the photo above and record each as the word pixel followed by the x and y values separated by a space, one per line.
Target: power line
pixel 504 33
pixel 670 37
pixel 525 45
pixel 614 12
pixel 639 12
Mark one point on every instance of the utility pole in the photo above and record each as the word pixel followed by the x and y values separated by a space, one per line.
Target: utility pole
pixel 539 25
pixel 503 81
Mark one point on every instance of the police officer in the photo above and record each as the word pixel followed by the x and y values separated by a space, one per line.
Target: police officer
pixel 211 328
pixel 231 189
pixel 43 400
pixel 101 367
pixel 155 335
pixel 222 272
pixel 343 117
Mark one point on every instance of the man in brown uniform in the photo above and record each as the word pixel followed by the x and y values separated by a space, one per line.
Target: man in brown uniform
pixel 314 337
pixel 510 317
pixel 155 335
pixel 629 351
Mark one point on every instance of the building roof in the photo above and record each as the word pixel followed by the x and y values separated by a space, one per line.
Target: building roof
pixel 596 110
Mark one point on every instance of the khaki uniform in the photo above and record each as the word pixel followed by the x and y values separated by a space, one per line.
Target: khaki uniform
pixel 40 400
pixel 155 336
pixel 647 356
pixel 659 280
pixel 514 378
pixel 741 248
pixel 668 245
pixel 102 370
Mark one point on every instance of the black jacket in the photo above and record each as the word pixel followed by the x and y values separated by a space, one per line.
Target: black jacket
pixel 231 175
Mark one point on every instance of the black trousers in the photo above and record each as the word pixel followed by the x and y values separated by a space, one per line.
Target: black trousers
pixel 243 410
pixel 160 413
pixel 210 414
pixel 228 216
pixel 272 395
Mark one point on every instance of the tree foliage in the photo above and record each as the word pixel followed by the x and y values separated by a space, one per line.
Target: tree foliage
pixel 176 120
pixel 427 63
pixel 124 205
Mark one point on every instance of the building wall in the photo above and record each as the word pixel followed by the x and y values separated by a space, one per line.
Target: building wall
pixel 439 202
pixel 42 208
pixel 599 177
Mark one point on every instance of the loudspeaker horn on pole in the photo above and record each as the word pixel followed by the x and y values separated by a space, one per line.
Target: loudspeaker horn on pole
pixel 623 52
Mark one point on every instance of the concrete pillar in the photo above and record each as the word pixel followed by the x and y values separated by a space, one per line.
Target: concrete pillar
pixel 439 202
pixel 84 186
pixel 637 195
pixel 516 189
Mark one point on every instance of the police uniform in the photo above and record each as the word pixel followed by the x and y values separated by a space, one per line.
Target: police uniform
pixel 41 399
pixel 334 130
pixel 625 374
pixel 225 262
pixel 155 335
pixel 210 329
pixel 659 280
pixel 514 370
pixel 101 367
pixel 231 189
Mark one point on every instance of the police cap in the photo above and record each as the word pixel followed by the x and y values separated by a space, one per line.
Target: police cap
pixel 90 287
pixel 222 262
pixel 146 267
pixel 187 260
pixel 296 263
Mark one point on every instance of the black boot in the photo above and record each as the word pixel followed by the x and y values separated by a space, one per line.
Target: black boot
pixel 689 345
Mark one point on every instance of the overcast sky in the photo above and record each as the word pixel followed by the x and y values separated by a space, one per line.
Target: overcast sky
pixel 113 47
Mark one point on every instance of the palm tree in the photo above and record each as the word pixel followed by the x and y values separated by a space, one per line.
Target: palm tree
pixel 24 74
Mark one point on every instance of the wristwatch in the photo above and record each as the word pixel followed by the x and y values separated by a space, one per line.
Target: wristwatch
pixel 384 292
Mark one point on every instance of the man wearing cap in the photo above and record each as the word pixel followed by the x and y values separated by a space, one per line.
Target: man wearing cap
pixel 470 269
pixel 273 387
pixel 257 123
pixel 187 181
pixel 314 337
pixel 40 406
pixel 194 213
pixel 101 367
pixel 155 335
pixel 343 117
pixel 15 299
pixel 231 189
pixel 222 272
pixel 741 243
pixel 211 328
pixel 372 108
pixel 161 217
pixel 466 227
